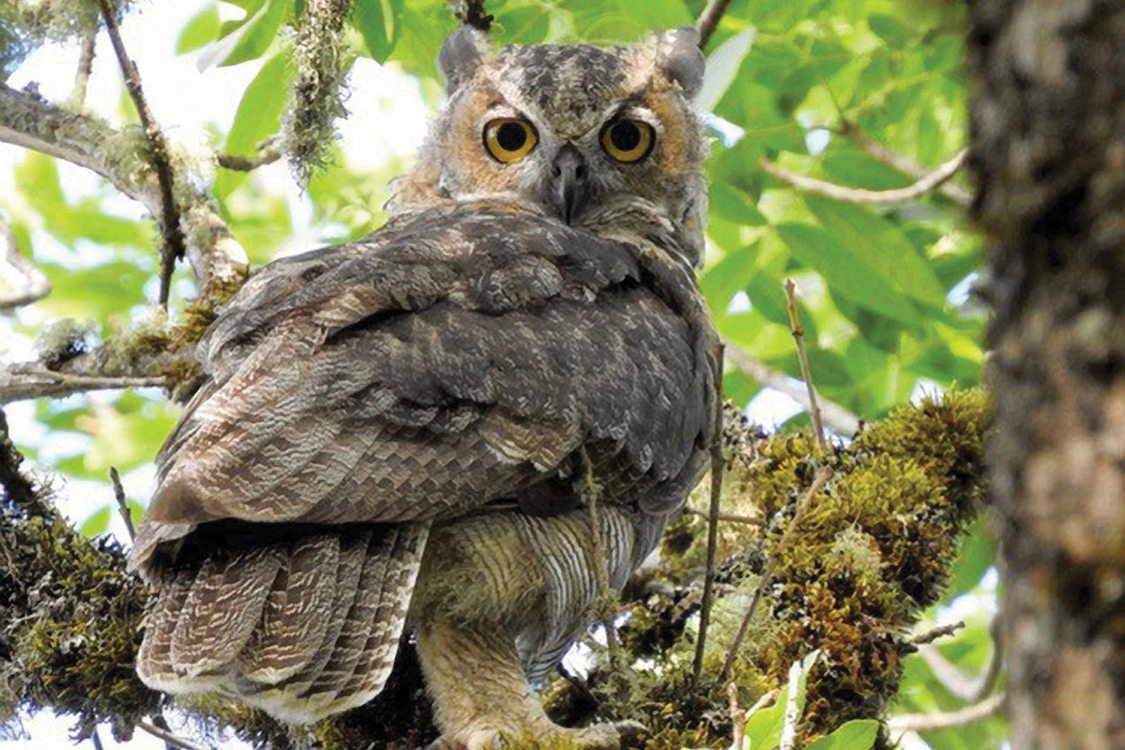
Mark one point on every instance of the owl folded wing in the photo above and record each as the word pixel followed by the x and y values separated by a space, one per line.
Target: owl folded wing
pixel 453 358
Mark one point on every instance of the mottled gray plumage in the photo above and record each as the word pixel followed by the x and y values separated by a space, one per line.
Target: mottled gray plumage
pixel 421 400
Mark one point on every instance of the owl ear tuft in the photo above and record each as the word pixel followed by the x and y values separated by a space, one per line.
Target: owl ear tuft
pixel 460 55
pixel 678 56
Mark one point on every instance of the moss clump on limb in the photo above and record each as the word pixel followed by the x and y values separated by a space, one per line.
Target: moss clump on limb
pixel 871 551
pixel 69 631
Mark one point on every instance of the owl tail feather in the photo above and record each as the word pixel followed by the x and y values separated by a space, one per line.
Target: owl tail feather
pixel 301 628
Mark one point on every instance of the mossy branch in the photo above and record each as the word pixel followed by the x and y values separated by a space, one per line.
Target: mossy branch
pixel 862 563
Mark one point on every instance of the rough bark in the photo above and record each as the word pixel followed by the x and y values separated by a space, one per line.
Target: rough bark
pixel 1049 155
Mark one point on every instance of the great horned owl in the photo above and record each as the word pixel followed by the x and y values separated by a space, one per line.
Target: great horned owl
pixel 397 437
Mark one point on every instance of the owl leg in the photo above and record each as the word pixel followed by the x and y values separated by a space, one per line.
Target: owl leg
pixel 481 695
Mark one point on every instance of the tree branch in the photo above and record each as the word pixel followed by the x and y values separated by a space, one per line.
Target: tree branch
pixel 897 161
pixel 838 418
pixel 77 97
pixel 22 382
pixel 939 632
pixel 120 156
pixel 174 243
pixel 831 190
pixel 944 720
pixel 717 461
pixel 28 282
pixel 709 20
pixel 266 155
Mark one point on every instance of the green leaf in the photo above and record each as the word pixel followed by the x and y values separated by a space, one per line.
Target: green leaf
pixel 763 727
pixel 882 246
pixel 378 22
pixel 730 202
pixel 250 40
pixel 97 523
pixel 977 553
pixel 854 735
pixel 524 24
pixel 845 271
pixel 257 118
pixel 890 29
pixel 201 30
pixel 721 281
pixel 722 67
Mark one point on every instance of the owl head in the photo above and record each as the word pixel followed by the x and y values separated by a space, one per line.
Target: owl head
pixel 592 136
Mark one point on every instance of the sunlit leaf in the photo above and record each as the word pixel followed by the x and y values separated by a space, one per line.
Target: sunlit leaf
pixel 202 29
pixel 854 735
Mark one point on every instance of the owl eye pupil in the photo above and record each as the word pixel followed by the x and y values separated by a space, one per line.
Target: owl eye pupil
pixel 511 136
pixel 625 135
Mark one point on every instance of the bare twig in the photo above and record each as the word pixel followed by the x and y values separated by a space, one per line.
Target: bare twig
pixel 472 13
pixel 956 681
pixel 821 478
pixel 267 155
pixel 22 382
pixel 122 503
pixel 728 517
pixel 713 517
pixel 902 164
pixel 709 19
pixel 28 284
pixel 803 355
pixel 860 195
pixel 96 740
pixel 737 718
pixel 945 719
pixel 169 737
pixel 836 417
pixel 939 632
pixel 77 97
pixel 592 490
pixel 792 710
pixel 172 233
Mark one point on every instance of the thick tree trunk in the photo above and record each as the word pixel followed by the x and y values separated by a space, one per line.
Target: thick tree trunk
pixel 1049 155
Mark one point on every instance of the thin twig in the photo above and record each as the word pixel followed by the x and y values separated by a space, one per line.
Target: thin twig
pixel 939 632
pixel 717 460
pixel 822 477
pixel 266 156
pixel 930 722
pixel 20 383
pixel 900 163
pixel 472 13
pixel 956 681
pixel 709 20
pixel 96 740
pixel 837 418
pixel 169 737
pixel 737 718
pixel 173 235
pixel 77 98
pixel 728 517
pixel 806 373
pixel 861 195
pixel 792 710
pixel 592 492
pixel 31 285
pixel 122 503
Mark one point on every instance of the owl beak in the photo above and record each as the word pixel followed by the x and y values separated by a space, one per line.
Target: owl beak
pixel 567 192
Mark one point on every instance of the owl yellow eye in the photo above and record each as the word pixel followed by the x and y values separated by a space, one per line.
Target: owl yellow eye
pixel 627 140
pixel 509 139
